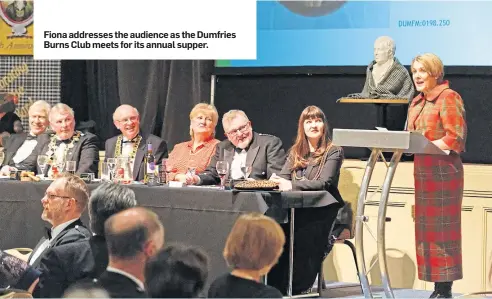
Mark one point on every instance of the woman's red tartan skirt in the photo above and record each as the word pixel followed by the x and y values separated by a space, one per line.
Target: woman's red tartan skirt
pixel 438 198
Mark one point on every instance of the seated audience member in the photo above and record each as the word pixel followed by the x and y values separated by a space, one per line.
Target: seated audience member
pixel 18 147
pixel 16 273
pixel 313 163
pixel 252 248
pixel 63 203
pixel 177 271
pixel 85 292
pixel 65 144
pixel 263 153
pixel 10 123
pixel 64 265
pixel 133 236
pixel 196 153
pixel 132 143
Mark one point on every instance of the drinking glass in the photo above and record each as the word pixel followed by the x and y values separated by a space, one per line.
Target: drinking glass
pixel 71 166
pixel 111 166
pixel 105 172
pixel 246 169
pixel 42 161
pixel 2 157
pixel 191 170
pixel 222 169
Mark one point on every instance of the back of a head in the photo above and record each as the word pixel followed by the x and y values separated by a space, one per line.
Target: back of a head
pixel 128 231
pixel 178 271
pixel 254 243
pixel 107 200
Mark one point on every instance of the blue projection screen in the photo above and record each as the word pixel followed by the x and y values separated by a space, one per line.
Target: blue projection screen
pixel 322 33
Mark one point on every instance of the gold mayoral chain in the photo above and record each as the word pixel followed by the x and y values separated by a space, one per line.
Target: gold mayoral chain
pixel 117 150
pixel 52 146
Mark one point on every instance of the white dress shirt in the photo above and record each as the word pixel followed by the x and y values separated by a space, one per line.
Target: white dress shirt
pixel 238 161
pixel 137 281
pixel 55 231
pixel 24 150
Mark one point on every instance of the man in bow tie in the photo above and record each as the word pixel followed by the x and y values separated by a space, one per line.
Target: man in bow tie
pixel 65 144
pixel 132 143
pixel 63 203
pixel 263 154
pixel 19 146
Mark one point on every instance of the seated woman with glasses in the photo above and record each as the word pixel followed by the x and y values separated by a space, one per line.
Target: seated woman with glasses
pixel 192 157
pixel 313 163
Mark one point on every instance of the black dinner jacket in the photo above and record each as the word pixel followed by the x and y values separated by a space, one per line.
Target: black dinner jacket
pixel 85 152
pixel 119 286
pixel 64 265
pixel 11 146
pixel 74 232
pixel 159 149
pixel 265 154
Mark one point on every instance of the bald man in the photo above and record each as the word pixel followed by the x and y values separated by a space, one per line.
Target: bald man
pixel 133 236
pixel 132 142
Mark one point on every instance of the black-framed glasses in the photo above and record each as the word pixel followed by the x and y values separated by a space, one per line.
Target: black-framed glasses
pixel 239 130
pixel 53 196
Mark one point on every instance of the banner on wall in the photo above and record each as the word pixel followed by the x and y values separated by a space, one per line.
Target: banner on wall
pixel 24 80
pixel 16 27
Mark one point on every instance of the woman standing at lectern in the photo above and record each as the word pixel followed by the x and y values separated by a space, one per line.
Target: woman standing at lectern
pixel 438 113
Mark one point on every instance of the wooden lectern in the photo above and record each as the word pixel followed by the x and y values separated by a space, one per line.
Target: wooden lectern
pixel 396 142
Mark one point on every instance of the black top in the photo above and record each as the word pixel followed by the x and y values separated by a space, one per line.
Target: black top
pixel 230 286
pixel 7 122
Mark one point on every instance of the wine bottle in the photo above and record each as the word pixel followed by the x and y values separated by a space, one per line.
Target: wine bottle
pixel 149 177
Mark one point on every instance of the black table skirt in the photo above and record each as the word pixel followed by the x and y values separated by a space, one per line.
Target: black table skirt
pixel 191 215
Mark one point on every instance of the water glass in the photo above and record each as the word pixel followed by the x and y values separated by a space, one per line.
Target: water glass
pixel 42 161
pixel 71 166
pixel 2 157
pixel 105 172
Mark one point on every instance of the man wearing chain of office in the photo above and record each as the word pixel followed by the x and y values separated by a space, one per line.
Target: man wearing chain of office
pixel 132 143
pixel 62 145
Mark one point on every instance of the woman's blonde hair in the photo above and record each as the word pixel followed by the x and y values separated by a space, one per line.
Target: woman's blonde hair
pixel 207 110
pixel 254 243
pixel 432 65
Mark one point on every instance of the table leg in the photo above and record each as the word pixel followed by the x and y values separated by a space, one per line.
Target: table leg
pixel 291 252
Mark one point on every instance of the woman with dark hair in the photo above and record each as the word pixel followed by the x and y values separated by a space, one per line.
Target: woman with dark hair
pixel 313 164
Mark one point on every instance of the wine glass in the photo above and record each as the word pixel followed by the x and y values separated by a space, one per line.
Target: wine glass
pixel 42 161
pixel 112 166
pixel 246 169
pixel 222 169
pixel 191 171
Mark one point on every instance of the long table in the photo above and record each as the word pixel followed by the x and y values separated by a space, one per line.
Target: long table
pixel 191 215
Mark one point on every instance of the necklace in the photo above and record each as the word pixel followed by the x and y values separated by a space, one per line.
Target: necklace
pixel 119 141
pixel 52 146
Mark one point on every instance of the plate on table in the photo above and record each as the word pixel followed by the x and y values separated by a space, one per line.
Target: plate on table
pixel 260 185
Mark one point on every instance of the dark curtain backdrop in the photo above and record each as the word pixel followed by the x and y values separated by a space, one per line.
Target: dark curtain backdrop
pixel 164 92
pixel 274 103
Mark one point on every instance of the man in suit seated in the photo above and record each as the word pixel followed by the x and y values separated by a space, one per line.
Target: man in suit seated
pixel 18 147
pixel 64 265
pixel 132 143
pixel 65 144
pixel 262 152
pixel 133 236
pixel 63 203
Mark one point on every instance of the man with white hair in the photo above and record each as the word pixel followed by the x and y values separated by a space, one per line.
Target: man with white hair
pixel 65 144
pixel 19 146
pixel 386 77
pixel 132 142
